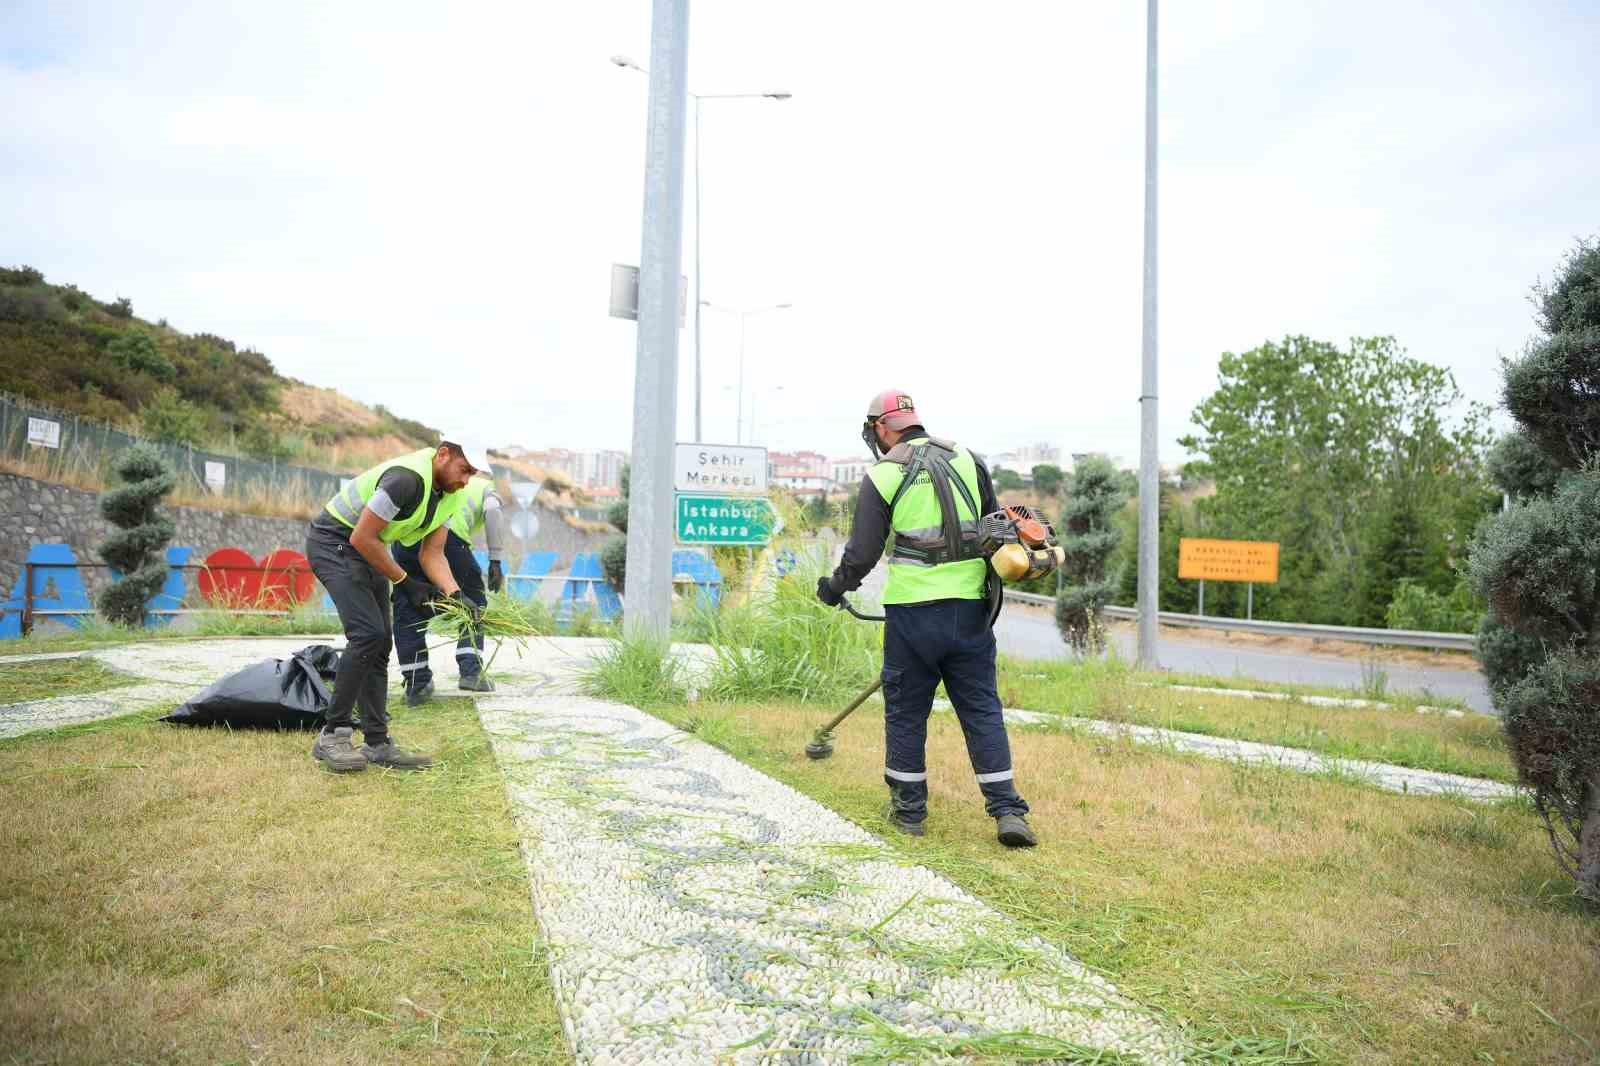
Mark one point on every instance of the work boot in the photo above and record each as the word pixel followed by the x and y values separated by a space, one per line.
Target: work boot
pixel 1013 831
pixel 911 829
pixel 417 695
pixel 388 754
pixel 475 683
pixel 334 750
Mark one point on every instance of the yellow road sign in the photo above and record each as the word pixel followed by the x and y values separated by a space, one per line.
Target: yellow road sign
pixel 1228 560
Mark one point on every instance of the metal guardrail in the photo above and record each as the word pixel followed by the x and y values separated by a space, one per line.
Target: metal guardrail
pixel 1405 638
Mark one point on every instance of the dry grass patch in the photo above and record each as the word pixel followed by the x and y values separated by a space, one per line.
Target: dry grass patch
pixel 1278 918
pixel 21 682
pixel 175 895
pixel 1473 745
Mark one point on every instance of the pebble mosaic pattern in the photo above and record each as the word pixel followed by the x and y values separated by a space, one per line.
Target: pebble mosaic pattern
pixel 699 911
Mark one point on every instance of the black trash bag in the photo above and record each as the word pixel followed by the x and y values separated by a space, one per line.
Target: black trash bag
pixel 273 694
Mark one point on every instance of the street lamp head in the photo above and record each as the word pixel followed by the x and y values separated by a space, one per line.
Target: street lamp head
pixel 624 61
pixel 779 95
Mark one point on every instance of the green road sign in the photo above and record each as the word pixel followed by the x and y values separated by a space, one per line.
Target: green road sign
pixel 725 519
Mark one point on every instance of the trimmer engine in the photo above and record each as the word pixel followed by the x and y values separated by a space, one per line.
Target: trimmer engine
pixel 1019 543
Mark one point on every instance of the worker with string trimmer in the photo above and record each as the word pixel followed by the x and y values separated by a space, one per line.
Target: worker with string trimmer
pixel 925 501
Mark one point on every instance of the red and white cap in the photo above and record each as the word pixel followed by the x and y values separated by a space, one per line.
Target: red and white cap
pixel 894 409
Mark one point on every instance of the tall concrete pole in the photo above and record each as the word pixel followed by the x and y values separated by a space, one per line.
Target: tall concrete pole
pixel 1149 441
pixel 699 293
pixel 655 380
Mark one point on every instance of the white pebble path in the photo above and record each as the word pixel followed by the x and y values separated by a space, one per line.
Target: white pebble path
pixel 699 911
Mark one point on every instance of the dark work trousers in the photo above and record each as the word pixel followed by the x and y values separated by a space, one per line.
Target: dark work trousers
pixel 923 644
pixel 411 623
pixel 361 595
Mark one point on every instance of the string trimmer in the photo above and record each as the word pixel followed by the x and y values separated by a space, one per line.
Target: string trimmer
pixel 821 745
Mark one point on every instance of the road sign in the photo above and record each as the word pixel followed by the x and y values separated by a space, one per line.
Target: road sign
pixel 1228 560
pixel 625 293
pixel 726 519
pixel 723 469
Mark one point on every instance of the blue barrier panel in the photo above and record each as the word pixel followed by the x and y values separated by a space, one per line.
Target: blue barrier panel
pixel 703 572
pixel 524 584
pixel 172 594
pixel 606 596
pixel 65 583
pixel 574 592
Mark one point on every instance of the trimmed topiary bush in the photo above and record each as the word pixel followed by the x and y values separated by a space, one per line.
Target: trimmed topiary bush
pixel 1538 565
pixel 137 549
pixel 1089 536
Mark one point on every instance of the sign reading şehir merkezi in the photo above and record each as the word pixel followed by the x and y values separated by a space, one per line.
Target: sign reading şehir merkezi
pixel 723 469
pixel 725 520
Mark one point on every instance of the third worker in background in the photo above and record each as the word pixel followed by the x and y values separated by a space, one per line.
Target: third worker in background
pixel 480 511
pixel 921 502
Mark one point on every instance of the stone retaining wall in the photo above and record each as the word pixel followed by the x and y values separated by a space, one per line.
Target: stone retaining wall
pixel 38 512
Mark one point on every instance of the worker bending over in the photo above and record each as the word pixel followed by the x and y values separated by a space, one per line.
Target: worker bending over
pixel 407 501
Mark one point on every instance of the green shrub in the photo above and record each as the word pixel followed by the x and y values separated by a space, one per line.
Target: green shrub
pixel 617 515
pixel 137 352
pixel 22 275
pixel 169 417
pixel 121 307
pixel 136 548
pixel 1416 607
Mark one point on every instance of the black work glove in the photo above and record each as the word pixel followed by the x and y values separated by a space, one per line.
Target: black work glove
pixel 417 590
pixel 497 576
pixel 826 594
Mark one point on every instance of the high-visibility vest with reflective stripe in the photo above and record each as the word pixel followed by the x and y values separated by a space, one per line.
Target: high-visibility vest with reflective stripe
pixel 469 517
pixel 348 502
pixel 918 515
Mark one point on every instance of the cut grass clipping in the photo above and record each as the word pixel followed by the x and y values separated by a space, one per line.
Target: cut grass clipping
pixel 203 896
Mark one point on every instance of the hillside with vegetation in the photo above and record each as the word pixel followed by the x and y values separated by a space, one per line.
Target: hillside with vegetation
pixel 95 359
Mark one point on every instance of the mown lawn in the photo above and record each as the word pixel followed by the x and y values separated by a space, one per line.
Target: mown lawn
pixel 48 678
pixel 1472 745
pixel 202 896
pixel 1277 918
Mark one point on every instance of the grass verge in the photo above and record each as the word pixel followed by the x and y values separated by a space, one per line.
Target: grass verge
pixel 94 632
pixel 1473 745
pixel 189 895
pixel 20 682
pixel 1275 918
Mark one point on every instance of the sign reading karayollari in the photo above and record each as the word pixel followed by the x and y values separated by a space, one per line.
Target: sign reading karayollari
pixel 1255 561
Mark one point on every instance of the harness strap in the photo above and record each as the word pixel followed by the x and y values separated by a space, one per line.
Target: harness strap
pixel 956 547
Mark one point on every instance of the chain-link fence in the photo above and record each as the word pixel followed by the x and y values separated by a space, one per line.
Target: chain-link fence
pixel 64 447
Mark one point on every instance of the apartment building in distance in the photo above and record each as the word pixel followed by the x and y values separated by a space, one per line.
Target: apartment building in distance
pixel 591 469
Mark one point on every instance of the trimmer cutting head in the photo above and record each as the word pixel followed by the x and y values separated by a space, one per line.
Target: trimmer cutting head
pixel 821 745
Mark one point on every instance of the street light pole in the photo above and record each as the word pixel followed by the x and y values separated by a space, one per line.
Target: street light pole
pixel 699 294
pixel 743 317
pixel 1149 469
pixel 655 388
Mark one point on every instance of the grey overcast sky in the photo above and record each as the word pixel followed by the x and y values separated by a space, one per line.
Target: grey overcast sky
pixel 419 203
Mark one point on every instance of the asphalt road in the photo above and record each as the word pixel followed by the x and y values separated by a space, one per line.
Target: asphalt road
pixel 1031 634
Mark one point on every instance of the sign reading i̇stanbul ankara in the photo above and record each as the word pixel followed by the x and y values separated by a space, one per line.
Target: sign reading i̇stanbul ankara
pixel 1228 560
